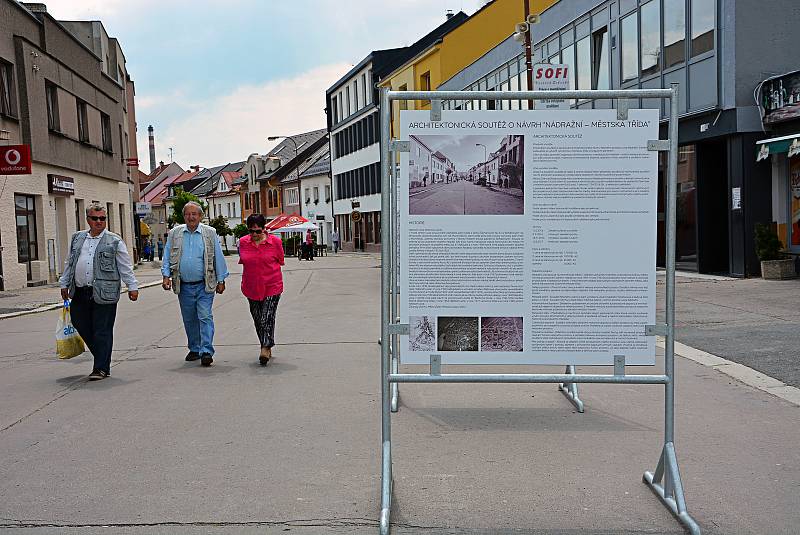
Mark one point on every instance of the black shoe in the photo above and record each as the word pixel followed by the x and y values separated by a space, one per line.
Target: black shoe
pixel 206 359
pixel 97 375
pixel 192 355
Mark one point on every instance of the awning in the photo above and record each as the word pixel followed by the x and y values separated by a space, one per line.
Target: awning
pixel 144 229
pixel 778 145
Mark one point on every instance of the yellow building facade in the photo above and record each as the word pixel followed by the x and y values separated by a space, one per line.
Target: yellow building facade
pixel 481 32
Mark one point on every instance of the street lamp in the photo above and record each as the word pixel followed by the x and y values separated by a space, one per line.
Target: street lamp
pixel 485 156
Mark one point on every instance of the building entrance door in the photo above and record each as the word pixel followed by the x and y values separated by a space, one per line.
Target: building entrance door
pixel 713 207
pixel 27 246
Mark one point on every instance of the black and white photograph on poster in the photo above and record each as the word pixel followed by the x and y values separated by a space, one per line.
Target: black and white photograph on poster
pixel 457 333
pixel 466 175
pixel 421 333
pixel 501 334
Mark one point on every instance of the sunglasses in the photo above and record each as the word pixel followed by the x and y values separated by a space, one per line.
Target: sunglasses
pixel 97 217
pixel 255 231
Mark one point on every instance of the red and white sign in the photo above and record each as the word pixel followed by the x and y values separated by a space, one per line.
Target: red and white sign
pixel 132 162
pixel 549 77
pixel 15 160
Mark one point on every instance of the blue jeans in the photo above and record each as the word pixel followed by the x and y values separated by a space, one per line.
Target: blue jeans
pixel 197 318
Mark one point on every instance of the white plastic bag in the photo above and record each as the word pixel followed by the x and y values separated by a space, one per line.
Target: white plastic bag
pixel 68 342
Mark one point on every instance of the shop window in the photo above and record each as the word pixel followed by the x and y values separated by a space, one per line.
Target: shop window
pixel 583 67
pixel 600 76
pixel 674 32
pixel 368 227
pixel 630 52
pixel 650 38
pixel 702 26
pixel 27 242
pixel 7 95
pixel 377 222
pixel 51 95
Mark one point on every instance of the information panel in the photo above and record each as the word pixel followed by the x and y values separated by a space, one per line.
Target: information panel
pixel 528 237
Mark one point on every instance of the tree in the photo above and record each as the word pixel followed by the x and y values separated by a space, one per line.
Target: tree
pixel 240 230
pixel 179 200
pixel 220 224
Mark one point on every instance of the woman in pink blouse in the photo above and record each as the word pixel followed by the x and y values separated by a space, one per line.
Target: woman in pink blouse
pixel 261 256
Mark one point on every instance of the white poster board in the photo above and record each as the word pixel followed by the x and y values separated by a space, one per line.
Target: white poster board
pixel 528 237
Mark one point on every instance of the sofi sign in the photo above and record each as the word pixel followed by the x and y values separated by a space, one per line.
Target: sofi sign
pixel 15 160
pixel 547 77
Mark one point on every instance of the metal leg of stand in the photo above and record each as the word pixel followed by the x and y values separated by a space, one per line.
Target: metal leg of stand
pixel 670 490
pixel 395 386
pixel 386 488
pixel 570 390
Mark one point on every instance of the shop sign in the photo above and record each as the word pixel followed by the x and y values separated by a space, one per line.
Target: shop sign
pixel 60 185
pixel 15 160
pixel 132 162
pixel 780 98
pixel 549 77
pixel 144 208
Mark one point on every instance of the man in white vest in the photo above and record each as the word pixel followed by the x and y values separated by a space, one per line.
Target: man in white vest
pixel 194 268
pixel 97 261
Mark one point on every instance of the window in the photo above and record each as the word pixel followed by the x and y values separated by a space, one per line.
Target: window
pixel 334 111
pixel 327 193
pixel 425 81
pixel 105 122
pixel 51 94
pixel 247 202
pixel 630 52
pixel 347 101
pixel 368 227
pixel 650 37
pixel 306 195
pixel 403 104
pixel 356 106
pixel 365 89
pixel 600 76
pixel 292 196
pixel 316 194
pixel 583 70
pixel 702 26
pixel 568 59
pixel 79 214
pixel 7 100
pixel 25 212
pixel 377 221
pixel 122 220
pixel 674 32
pixel 110 214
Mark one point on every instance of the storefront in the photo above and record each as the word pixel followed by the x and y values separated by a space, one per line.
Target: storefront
pixel 780 101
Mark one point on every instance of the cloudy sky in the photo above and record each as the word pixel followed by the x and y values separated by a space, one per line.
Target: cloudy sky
pixel 215 79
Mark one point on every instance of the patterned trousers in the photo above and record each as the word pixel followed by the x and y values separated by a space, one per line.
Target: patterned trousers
pixel 263 313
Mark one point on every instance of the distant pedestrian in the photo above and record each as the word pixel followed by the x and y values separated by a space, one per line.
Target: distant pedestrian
pixel 335 239
pixel 309 245
pixel 147 251
pixel 261 256
pixel 195 269
pixel 160 248
pixel 97 261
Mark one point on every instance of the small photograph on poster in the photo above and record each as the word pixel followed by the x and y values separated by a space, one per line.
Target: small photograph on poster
pixel 422 333
pixel 466 175
pixel 501 334
pixel 457 333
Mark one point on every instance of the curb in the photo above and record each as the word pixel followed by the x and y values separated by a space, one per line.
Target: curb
pixel 54 306
pixel 737 371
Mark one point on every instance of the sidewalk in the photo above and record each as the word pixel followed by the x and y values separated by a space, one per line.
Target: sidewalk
pixel 47 297
pixel 166 446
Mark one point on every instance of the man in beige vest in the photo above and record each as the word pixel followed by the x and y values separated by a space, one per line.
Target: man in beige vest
pixel 194 268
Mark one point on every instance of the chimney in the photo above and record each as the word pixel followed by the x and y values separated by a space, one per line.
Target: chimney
pixel 152 148
pixel 195 168
pixel 449 14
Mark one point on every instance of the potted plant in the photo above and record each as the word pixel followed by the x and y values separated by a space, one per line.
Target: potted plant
pixel 774 264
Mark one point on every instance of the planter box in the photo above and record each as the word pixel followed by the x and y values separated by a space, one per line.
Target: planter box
pixel 778 269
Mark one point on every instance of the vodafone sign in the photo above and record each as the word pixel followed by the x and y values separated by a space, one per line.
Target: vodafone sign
pixel 550 77
pixel 15 160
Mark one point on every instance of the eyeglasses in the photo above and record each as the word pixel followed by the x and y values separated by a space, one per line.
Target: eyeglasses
pixel 255 231
pixel 97 217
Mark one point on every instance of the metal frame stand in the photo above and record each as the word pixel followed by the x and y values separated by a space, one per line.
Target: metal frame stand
pixel 665 482
pixel 570 390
